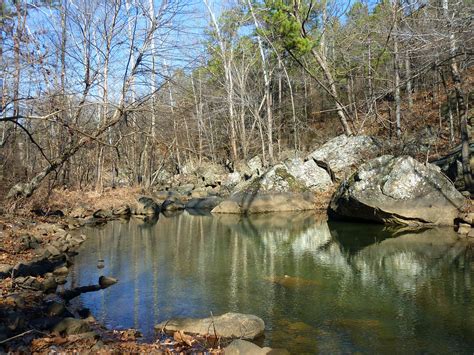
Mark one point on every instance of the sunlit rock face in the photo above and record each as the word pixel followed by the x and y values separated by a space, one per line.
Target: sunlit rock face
pixel 398 190
pixel 343 154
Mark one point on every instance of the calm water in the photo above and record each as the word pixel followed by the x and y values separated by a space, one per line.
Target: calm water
pixel 348 287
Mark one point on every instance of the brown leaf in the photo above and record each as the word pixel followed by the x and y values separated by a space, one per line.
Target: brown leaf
pixel 180 337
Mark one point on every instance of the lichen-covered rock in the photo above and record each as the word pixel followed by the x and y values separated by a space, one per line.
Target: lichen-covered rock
pixel 343 154
pixel 309 173
pixel 397 190
pixel 228 325
pixel 207 203
pixel 231 180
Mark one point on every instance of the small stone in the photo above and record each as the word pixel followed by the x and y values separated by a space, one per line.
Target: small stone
pixel 471 233
pixel 60 280
pixel 49 284
pixel 102 214
pixel 105 281
pixel 70 326
pixel 122 211
pixel 56 309
pixel 5 270
pixel 15 300
pixel 61 271
pixel 464 228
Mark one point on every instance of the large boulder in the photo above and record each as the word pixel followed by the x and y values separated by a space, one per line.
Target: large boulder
pixel 397 190
pixel 343 154
pixel 228 325
pixel 309 173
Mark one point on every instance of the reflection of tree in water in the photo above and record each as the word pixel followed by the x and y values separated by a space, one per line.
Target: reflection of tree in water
pixel 332 277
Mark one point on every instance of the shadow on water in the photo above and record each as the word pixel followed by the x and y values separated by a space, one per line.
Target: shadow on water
pixel 319 287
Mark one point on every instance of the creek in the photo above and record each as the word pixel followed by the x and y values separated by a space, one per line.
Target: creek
pixel 320 287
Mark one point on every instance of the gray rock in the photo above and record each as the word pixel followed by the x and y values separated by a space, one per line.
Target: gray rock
pixel 204 203
pixel 79 212
pixel 38 267
pixel 102 214
pixel 228 325
pixel 243 347
pixel 105 281
pixel 199 193
pixel 309 173
pixel 227 206
pixel 70 326
pixel 185 189
pixel 56 309
pixel 122 211
pixel 5 270
pixel 49 284
pixel 255 165
pixel 231 180
pixel 275 179
pixel 27 242
pixel 63 270
pixel 343 154
pixel 51 251
pixel 464 228
pixel 170 205
pixel 245 203
pixel 147 206
pixel 397 190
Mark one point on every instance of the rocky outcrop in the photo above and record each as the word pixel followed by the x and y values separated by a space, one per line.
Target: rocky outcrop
pixel 282 188
pixel 397 190
pixel 343 154
pixel 228 325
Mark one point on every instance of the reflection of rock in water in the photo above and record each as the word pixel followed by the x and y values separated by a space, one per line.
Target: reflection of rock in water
pixel 406 259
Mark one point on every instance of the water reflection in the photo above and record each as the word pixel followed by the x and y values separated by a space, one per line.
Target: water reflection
pixel 319 287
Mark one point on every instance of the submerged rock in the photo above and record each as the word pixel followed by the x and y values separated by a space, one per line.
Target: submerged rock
pixel 397 190
pixel 241 347
pixel 228 325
